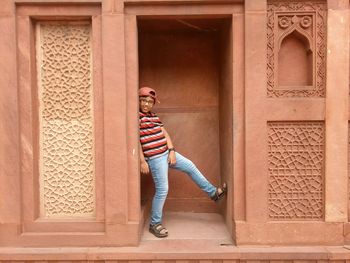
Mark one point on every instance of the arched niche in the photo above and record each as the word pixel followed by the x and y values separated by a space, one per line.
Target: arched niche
pixel 295 60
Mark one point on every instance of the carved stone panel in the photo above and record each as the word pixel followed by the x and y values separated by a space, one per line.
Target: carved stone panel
pixel 66 120
pixel 295 165
pixel 296 49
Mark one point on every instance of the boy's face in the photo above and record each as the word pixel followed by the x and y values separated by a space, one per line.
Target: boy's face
pixel 146 104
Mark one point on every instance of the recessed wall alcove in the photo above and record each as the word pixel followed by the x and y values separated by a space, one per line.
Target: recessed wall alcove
pixel 188 60
pixel 295 61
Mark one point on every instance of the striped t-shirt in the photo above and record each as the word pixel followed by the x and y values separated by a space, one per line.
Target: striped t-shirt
pixel 152 138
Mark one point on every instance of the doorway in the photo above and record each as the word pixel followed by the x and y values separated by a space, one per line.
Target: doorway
pixel 188 60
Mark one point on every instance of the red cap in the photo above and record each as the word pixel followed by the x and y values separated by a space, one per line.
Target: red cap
pixel 148 92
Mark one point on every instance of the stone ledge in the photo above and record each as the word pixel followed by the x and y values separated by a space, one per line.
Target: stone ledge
pixel 177 250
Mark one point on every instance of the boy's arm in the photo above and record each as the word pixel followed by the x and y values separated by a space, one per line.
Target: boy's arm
pixel 168 139
pixel 172 157
pixel 143 164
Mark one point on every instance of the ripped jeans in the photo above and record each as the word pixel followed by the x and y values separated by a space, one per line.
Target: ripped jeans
pixel 159 168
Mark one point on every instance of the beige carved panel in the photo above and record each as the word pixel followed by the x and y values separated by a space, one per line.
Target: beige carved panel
pixel 66 120
pixel 296 29
pixel 295 164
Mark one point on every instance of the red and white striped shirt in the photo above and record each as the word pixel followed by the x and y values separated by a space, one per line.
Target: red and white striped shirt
pixel 152 138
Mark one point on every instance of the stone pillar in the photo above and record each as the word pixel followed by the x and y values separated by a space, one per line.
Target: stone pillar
pixel 255 122
pixel 337 112
pixel 114 117
pixel 132 84
pixel 9 139
pixel 238 118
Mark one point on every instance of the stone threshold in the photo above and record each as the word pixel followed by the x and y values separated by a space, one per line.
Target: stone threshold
pixel 189 250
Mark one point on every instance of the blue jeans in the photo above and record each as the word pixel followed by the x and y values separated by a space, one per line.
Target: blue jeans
pixel 159 168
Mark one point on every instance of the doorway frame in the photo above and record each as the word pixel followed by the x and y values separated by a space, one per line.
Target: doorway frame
pixel 133 11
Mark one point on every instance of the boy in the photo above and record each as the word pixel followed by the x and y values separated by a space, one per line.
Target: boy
pixel 157 154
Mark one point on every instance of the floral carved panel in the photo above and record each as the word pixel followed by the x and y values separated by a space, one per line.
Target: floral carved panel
pixel 66 120
pixel 295 165
pixel 304 19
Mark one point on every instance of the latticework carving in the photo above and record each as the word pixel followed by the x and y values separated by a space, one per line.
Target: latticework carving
pixel 66 120
pixel 295 164
pixel 311 18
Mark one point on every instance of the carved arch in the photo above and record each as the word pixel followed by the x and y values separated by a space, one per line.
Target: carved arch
pixel 303 35
pixel 308 19
pixel 295 60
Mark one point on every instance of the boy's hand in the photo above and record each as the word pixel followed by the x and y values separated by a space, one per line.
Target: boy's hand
pixel 144 167
pixel 172 158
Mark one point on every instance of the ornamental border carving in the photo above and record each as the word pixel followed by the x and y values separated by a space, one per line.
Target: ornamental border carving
pixel 317 41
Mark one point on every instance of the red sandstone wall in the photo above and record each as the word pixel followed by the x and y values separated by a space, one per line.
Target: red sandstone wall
pixel 268 92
